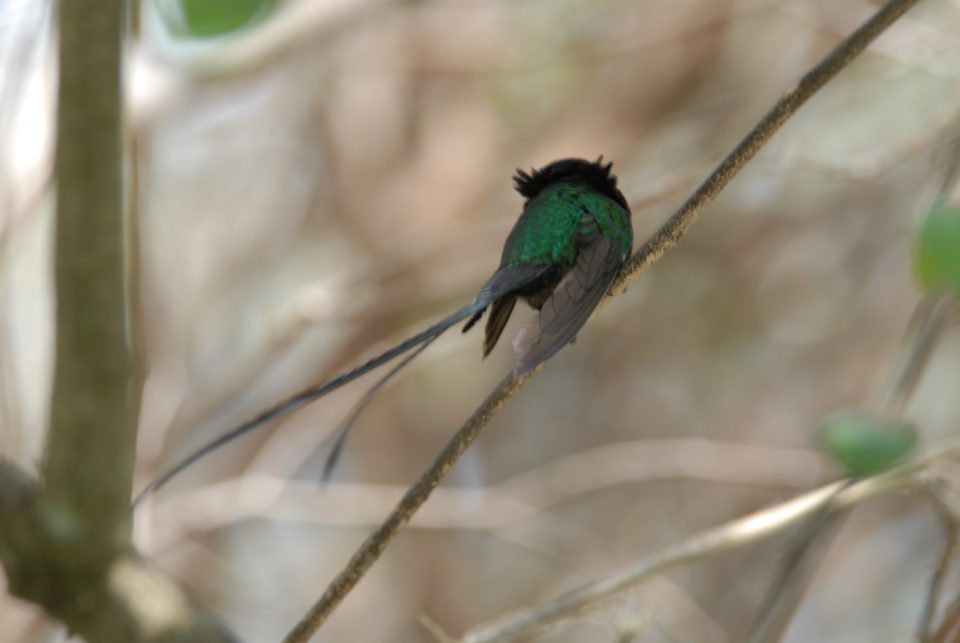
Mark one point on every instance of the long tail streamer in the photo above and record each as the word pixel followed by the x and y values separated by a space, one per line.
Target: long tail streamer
pixel 308 395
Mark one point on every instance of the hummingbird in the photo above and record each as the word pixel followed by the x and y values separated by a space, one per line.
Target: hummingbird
pixel 561 257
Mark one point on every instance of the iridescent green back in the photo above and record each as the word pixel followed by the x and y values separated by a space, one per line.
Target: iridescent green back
pixel 546 232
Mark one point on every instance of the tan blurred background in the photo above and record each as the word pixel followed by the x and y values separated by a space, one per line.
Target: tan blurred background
pixel 337 176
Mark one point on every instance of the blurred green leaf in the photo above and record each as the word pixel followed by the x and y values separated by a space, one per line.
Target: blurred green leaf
pixel 209 18
pixel 937 260
pixel 865 445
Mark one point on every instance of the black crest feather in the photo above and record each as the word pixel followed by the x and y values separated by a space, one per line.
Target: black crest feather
pixel 595 174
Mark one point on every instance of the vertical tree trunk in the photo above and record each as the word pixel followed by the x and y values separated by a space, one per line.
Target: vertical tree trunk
pixel 95 390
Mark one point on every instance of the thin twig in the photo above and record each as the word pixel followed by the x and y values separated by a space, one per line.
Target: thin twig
pixel 806 553
pixel 807 549
pixel 434 629
pixel 517 499
pixel 803 557
pixel 666 238
pixel 734 534
pixel 415 496
pixel 669 234
pixel 949 630
pixel 948 507
pixel 929 318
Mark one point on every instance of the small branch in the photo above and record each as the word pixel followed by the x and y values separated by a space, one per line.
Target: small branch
pixel 806 551
pixel 494 507
pixel 732 535
pixel 415 496
pixel 949 630
pixel 929 319
pixel 665 238
pixel 948 507
pixel 434 629
pixel 803 557
pixel 670 234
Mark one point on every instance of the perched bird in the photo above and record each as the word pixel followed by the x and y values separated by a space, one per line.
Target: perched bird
pixel 572 237
pixel 561 256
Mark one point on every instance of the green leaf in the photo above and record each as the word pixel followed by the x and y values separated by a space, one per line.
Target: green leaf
pixel 210 18
pixel 937 259
pixel 865 445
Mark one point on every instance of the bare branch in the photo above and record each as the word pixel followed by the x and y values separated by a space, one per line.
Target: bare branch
pixel 948 507
pixel 670 234
pixel 949 629
pixel 415 496
pixel 434 629
pixel 665 238
pixel 808 548
pixel 734 534
pixel 929 319
pixel 520 498
pixel 803 556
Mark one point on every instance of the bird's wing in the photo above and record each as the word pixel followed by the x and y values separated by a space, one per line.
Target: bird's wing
pixel 575 297
pixel 500 311
pixel 507 280
pixel 510 279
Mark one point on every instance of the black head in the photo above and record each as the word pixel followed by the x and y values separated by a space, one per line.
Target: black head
pixel 594 174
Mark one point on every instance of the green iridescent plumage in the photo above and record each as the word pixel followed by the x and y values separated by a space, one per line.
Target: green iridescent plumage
pixel 546 230
pixel 561 256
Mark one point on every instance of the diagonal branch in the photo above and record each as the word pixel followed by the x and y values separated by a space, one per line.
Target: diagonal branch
pixel 820 509
pixel 666 238
pixel 737 533
pixel 415 496
pixel 810 546
pixel 947 505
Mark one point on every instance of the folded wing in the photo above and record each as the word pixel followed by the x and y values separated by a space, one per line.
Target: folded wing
pixel 575 297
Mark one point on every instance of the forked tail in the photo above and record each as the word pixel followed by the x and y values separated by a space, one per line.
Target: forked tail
pixel 308 395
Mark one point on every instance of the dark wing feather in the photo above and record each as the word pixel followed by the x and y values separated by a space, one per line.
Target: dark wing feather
pixel 575 297
pixel 507 280
pixel 497 321
pixel 513 279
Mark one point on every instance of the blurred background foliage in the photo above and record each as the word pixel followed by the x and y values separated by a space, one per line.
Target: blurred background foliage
pixel 210 18
pixel 315 179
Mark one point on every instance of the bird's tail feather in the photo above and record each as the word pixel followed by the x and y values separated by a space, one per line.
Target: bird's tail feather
pixel 306 396
pixel 344 429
